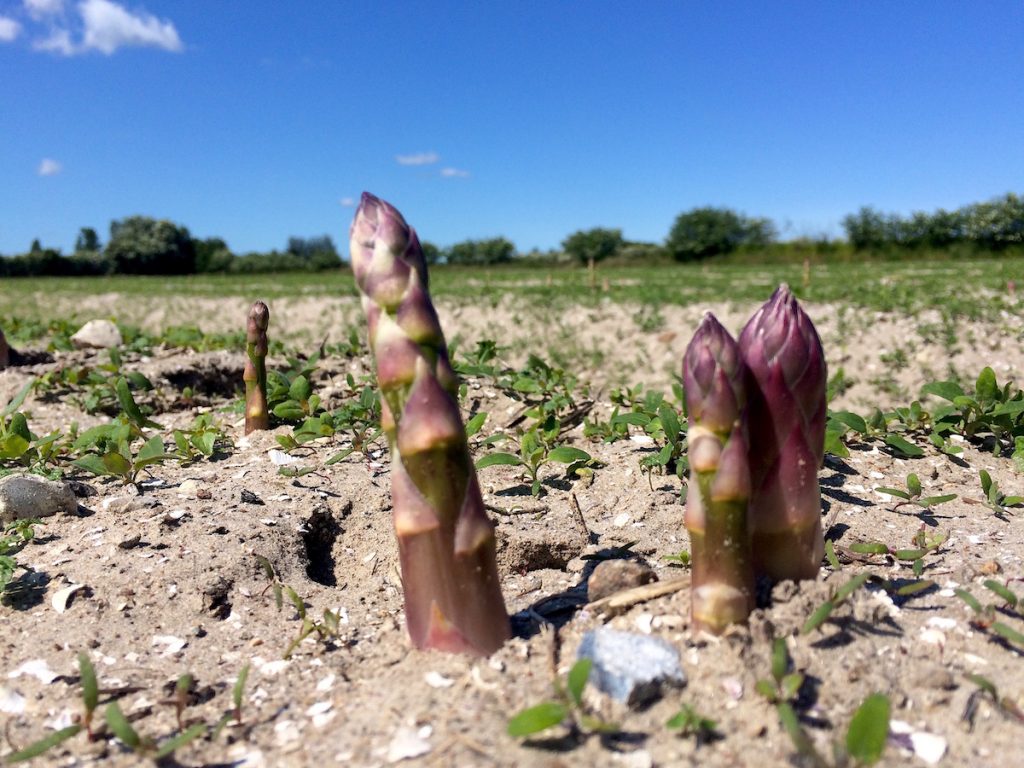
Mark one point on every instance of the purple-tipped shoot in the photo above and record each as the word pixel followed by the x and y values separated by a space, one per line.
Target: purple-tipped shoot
pixel 453 599
pixel 786 381
pixel 719 488
pixel 257 415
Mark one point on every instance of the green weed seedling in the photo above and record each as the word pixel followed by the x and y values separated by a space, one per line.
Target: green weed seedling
pixel 1001 504
pixel 679 559
pixel 202 439
pixel 145 746
pixel 545 391
pixel 19 447
pixel 328 629
pixel 867 733
pixel 1004 704
pixel 992 410
pixel 237 698
pixel 15 536
pixel 985 614
pixel 688 722
pixel 821 614
pixel 289 393
pixel 109 447
pixel 537 448
pixel 566 707
pixel 924 543
pixel 912 495
pixel 876 426
pixel 90 701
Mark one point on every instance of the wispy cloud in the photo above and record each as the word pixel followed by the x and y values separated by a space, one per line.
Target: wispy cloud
pixel 347 202
pixel 109 26
pixel 98 25
pixel 39 9
pixel 59 41
pixel 419 158
pixel 9 29
pixel 49 167
pixel 454 173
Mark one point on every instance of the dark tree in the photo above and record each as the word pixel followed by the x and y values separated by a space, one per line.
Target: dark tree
pixel 704 232
pixel 140 245
pixel 593 245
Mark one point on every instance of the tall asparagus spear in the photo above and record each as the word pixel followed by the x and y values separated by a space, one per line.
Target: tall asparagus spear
pixel 786 384
pixel 257 415
pixel 716 502
pixel 446 543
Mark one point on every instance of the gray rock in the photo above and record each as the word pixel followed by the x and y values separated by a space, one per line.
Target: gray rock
pixel 97 334
pixel 27 496
pixel 631 668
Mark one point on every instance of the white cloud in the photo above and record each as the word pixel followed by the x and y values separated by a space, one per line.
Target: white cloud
pixel 59 41
pixel 420 158
pixel 347 202
pixel 9 29
pixel 454 173
pixel 39 9
pixel 109 26
pixel 49 167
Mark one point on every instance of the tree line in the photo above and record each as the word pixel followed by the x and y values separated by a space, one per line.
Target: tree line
pixel 143 245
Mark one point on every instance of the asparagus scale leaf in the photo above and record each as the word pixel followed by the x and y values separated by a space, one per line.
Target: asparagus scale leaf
pixel 453 599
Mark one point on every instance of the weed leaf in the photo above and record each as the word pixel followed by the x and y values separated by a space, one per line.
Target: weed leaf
pixel 36 748
pixel 536 719
pixel 869 729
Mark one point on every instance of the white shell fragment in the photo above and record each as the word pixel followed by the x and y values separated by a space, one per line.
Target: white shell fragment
pixel 11 702
pixel 280 458
pixel 37 668
pixel 437 680
pixel 408 743
pixel 172 644
pixel 930 747
pixel 62 597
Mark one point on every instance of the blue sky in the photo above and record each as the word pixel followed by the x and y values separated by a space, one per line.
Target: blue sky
pixel 255 121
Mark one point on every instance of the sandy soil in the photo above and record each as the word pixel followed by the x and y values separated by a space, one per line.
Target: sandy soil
pixel 172 584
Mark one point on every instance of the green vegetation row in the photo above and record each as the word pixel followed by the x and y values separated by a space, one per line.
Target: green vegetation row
pixel 143 245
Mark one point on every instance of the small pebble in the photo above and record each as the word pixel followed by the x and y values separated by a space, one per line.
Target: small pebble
pixel 611 576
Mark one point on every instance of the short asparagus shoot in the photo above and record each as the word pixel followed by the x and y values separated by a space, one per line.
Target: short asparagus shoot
pixel 257 415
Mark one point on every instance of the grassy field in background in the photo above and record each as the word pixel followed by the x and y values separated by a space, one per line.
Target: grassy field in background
pixel 974 289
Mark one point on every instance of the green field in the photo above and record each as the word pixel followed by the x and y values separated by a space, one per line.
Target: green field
pixel 975 289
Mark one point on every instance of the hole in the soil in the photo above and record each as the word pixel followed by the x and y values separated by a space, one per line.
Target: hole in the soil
pixel 321 531
pixel 210 380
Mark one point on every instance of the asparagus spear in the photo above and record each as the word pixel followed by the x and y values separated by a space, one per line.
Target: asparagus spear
pixel 786 383
pixel 719 488
pixel 257 415
pixel 446 543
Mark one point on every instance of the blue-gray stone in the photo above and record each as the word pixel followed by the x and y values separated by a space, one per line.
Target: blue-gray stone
pixel 631 668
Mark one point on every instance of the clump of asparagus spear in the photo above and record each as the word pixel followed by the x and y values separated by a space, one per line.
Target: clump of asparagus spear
pixel 257 415
pixel 453 599
pixel 786 381
pixel 719 489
